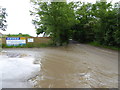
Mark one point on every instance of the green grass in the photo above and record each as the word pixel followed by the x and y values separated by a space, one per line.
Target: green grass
pixel 103 46
pixel 28 46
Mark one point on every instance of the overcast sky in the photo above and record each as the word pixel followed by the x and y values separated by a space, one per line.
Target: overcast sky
pixel 19 19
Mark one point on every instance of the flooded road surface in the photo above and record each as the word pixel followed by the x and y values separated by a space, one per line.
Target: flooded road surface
pixel 16 67
pixel 73 66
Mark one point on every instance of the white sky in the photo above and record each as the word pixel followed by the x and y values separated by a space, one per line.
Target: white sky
pixel 19 19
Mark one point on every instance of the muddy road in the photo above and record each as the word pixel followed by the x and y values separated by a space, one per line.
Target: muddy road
pixel 73 66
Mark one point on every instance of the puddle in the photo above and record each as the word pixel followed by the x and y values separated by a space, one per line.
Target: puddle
pixel 16 69
pixel 75 66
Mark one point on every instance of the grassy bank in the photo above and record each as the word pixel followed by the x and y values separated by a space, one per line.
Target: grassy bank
pixel 28 45
pixel 51 45
pixel 103 46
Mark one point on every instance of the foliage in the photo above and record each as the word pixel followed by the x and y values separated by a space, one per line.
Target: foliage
pixel 103 46
pixel 83 22
pixel 82 31
pixel 3 21
pixel 56 19
pixel 18 35
pixel 98 22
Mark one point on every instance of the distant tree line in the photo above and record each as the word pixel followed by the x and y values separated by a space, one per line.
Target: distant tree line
pixel 83 22
pixel 18 35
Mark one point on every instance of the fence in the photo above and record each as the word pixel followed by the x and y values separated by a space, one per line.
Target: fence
pixel 28 40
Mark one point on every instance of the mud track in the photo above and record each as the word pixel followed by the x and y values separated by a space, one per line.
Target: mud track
pixel 72 66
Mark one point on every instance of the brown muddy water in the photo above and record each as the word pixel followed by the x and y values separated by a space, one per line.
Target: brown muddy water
pixel 73 66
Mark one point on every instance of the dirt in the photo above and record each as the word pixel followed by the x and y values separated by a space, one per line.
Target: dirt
pixel 72 66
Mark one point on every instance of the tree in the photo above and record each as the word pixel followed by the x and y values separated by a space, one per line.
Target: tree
pixel 117 23
pixel 3 21
pixel 82 31
pixel 102 11
pixel 107 26
pixel 56 19
pixel 83 22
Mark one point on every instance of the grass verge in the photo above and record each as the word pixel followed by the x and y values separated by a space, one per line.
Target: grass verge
pixel 103 46
pixel 28 45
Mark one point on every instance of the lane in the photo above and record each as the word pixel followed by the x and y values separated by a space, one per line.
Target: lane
pixel 78 66
pixel 73 66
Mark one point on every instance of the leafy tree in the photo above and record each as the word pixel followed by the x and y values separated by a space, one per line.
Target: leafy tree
pixel 3 21
pixel 106 30
pixel 117 23
pixel 83 22
pixel 56 19
pixel 101 11
pixel 82 31
pixel 97 22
